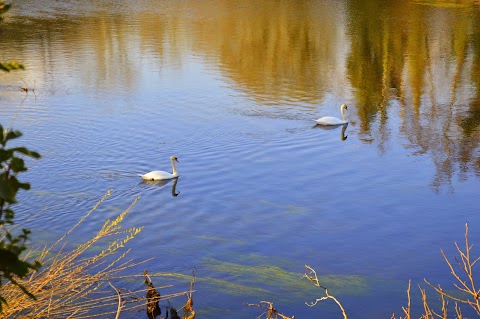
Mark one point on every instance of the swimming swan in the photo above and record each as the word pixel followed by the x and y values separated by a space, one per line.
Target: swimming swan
pixel 330 120
pixel 161 175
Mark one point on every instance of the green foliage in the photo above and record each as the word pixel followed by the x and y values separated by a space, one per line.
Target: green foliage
pixel 12 65
pixel 4 7
pixel 12 246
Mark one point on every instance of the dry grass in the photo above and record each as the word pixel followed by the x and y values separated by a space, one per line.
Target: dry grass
pixel 77 283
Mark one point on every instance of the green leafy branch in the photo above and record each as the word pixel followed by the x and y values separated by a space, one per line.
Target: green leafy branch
pixel 12 65
pixel 12 246
pixel 9 66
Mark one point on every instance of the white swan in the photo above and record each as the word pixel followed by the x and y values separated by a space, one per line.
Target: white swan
pixel 161 175
pixel 330 120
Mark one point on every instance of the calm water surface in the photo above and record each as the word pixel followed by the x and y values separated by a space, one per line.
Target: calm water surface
pixel 231 89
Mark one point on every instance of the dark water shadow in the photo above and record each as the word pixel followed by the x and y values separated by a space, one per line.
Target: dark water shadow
pixel 343 137
pixel 163 183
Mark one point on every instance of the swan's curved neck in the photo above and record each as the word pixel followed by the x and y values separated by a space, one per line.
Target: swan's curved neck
pixel 344 117
pixel 174 169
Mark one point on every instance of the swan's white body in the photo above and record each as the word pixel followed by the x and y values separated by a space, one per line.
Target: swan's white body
pixel 162 175
pixel 331 120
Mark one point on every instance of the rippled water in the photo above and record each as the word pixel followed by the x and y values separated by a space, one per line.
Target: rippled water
pixel 231 89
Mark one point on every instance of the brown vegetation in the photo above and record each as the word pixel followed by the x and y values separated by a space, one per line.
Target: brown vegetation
pixel 465 285
pixel 270 311
pixel 78 283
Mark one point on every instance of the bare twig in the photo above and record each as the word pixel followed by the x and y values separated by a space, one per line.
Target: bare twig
pixel 270 311
pixel 312 276
pixel 467 286
pixel 407 310
pixel 458 311
pixel 426 308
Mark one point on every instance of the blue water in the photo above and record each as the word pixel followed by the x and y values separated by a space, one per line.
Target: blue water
pixel 115 94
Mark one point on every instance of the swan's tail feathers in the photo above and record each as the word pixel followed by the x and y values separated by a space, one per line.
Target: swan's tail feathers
pixel 141 175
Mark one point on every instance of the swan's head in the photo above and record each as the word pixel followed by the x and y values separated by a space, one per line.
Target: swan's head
pixel 173 158
pixel 344 107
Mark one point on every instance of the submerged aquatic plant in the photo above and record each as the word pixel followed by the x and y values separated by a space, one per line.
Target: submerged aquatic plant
pixel 466 291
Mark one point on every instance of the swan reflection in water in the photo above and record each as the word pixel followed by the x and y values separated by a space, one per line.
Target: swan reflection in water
pixel 162 183
pixel 343 137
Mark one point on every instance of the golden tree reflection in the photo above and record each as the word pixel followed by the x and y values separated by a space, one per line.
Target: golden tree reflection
pixel 275 51
pixel 422 70
pixel 418 60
